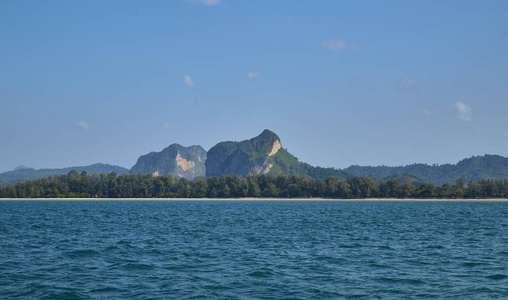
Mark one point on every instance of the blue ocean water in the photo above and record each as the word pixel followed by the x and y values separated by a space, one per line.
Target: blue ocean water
pixel 253 250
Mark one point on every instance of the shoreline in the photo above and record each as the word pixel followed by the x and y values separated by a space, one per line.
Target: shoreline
pixel 257 199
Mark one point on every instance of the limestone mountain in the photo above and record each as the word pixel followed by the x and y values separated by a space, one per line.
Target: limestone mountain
pixel 175 160
pixel 260 155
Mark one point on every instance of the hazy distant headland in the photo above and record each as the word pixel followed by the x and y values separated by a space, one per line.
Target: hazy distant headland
pixel 22 173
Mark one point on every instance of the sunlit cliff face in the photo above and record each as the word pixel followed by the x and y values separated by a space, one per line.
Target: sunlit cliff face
pixel 183 163
pixel 275 148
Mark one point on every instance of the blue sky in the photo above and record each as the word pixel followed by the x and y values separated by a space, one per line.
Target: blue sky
pixel 340 82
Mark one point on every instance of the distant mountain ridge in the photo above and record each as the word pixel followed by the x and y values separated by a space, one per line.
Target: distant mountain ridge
pixel 175 160
pixel 260 155
pixel 470 169
pixel 24 174
pixel 264 155
pixel 22 167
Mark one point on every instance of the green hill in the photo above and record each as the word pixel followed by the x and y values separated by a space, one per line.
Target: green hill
pixel 470 169
pixel 260 155
pixel 24 174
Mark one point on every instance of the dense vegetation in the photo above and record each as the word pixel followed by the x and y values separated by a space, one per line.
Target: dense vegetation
pixel 471 169
pixel 284 163
pixel 24 174
pixel 82 185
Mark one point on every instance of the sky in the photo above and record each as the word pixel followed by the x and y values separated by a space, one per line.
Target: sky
pixel 341 82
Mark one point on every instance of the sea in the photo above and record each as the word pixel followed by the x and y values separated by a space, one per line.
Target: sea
pixel 253 250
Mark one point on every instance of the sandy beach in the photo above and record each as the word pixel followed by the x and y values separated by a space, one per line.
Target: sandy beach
pixel 249 199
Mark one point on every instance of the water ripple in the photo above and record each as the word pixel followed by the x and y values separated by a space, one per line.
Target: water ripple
pixel 253 250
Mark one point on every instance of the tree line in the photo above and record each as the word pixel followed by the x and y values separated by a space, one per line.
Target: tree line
pixel 75 185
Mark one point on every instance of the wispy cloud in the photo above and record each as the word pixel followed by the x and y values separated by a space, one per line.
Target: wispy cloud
pixel 464 112
pixel 167 126
pixel 252 75
pixel 426 112
pixel 340 45
pixel 334 44
pixel 82 124
pixel 206 2
pixel 188 81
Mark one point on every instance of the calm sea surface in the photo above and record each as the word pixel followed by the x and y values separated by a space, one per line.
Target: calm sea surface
pixel 253 250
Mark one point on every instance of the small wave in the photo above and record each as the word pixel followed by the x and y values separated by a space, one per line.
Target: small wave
pixel 379 266
pixel 107 289
pixel 64 295
pixel 402 280
pixel 472 264
pixel 111 247
pixel 81 253
pixel 354 245
pixel 260 274
pixel 128 244
pixel 497 277
pixel 135 266
pixel 435 247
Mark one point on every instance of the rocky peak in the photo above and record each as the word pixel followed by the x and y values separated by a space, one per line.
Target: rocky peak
pixel 175 160
pixel 262 154
pixel 243 158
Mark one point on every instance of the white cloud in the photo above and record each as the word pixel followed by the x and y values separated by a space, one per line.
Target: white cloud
pixel 426 112
pixel 82 124
pixel 167 126
pixel 334 44
pixel 206 2
pixel 188 81
pixel 252 75
pixel 464 112
pixel 340 45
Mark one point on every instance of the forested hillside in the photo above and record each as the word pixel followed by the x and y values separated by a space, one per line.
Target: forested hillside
pixel 474 168
pixel 284 163
pixel 24 174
